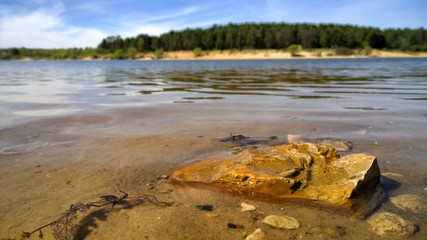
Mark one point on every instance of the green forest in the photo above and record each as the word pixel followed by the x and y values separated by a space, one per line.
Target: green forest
pixel 281 36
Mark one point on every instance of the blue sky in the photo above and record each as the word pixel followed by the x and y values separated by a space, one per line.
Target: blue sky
pixel 84 23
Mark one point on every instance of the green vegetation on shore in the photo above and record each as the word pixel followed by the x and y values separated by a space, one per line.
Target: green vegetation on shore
pixel 52 54
pixel 343 38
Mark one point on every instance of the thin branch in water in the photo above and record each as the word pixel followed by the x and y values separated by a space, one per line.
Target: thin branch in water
pixel 67 226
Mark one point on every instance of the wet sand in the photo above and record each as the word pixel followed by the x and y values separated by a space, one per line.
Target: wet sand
pixel 47 165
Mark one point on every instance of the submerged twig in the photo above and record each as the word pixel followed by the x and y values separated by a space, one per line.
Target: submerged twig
pixel 66 226
pixel 153 199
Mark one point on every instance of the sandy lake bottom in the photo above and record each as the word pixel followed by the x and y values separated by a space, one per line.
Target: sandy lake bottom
pixel 52 161
pixel 48 165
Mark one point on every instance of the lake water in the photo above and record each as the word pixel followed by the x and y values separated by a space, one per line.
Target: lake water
pixel 74 130
pixel 356 88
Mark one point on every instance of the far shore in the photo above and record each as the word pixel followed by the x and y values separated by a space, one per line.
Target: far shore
pixel 259 55
pixel 280 54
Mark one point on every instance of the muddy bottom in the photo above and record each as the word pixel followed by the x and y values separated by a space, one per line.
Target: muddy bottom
pixel 49 164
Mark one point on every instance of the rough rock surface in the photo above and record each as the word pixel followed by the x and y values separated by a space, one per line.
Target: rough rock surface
pixel 423 227
pixel 410 202
pixel 390 224
pixel 337 144
pixel 292 172
pixel 284 222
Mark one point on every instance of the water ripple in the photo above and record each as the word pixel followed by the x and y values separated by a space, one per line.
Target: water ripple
pixel 377 84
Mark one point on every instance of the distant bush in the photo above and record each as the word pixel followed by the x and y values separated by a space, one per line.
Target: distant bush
pixel 118 54
pixel 131 52
pixel 159 53
pixel 366 49
pixel 232 50
pixel 294 49
pixel 197 52
pixel 343 51
pixel 70 53
pixel 5 55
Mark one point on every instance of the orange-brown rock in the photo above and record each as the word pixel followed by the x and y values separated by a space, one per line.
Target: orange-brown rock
pixel 292 172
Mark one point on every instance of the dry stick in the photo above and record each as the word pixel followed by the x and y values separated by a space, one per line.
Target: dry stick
pixel 28 234
pixel 107 199
pixel 155 201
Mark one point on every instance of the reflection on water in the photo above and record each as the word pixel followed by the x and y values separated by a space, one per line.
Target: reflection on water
pixel 349 84
pixel 366 108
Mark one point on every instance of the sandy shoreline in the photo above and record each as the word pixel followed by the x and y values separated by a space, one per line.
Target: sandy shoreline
pixel 261 55
pixel 280 54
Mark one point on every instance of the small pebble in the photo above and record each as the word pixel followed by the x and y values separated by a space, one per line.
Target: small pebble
pixel 391 174
pixel 247 207
pixel 212 215
pixel 206 207
pixel 360 132
pixel 258 234
pixel 284 222
pixel 234 226
pixel 411 203
pixel 390 224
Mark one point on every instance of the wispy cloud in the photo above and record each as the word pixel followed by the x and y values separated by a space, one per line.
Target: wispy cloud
pixel 167 16
pixel 44 28
pixel 161 22
pixel 152 24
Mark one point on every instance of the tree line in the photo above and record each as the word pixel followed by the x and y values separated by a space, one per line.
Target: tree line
pixel 71 53
pixel 273 36
pixel 240 37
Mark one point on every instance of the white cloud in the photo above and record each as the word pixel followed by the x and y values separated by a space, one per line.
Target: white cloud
pixel 150 29
pixel 44 28
pixel 172 15
pixel 130 25
pixel 156 29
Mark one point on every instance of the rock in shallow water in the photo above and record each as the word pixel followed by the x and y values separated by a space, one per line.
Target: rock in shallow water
pixel 410 202
pixel 258 234
pixel 247 207
pixel 300 172
pixel 390 224
pixel 327 232
pixel 284 222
